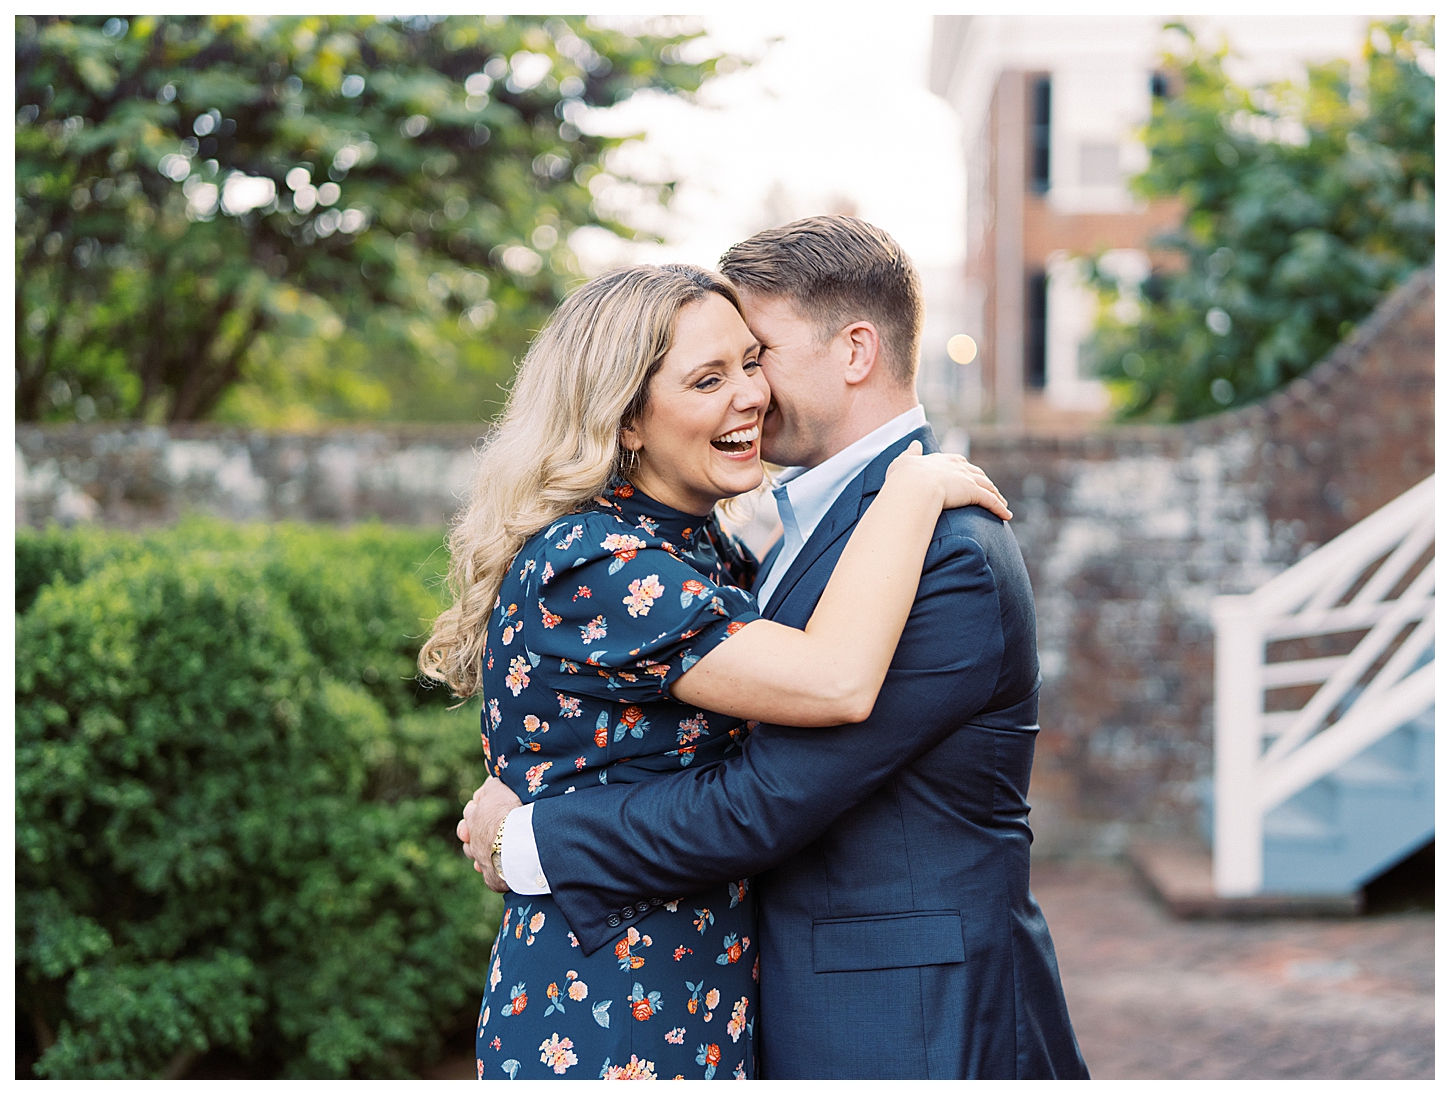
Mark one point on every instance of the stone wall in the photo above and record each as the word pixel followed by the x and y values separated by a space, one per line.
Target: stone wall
pixel 1128 535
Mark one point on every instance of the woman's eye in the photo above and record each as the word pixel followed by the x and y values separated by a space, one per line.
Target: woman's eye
pixel 753 364
pixel 708 383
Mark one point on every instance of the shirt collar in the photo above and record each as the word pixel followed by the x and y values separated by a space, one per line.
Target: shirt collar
pixel 813 491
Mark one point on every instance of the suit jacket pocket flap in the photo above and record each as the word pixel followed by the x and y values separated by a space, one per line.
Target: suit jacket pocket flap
pixel 888 942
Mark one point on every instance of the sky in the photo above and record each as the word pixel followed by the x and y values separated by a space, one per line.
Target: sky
pixel 833 116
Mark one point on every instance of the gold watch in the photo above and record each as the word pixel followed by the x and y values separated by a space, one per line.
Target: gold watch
pixel 496 853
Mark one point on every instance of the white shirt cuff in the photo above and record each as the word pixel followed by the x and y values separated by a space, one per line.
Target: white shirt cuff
pixel 519 854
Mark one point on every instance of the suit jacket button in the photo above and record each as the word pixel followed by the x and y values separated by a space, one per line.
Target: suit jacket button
pixel 656 900
pixel 613 920
pixel 627 911
pixel 643 906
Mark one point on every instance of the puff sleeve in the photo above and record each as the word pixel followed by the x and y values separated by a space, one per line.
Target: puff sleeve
pixel 619 616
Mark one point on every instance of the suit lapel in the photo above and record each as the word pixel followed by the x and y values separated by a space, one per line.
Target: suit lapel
pixel 841 518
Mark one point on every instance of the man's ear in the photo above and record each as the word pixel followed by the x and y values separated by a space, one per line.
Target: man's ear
pixel 864 344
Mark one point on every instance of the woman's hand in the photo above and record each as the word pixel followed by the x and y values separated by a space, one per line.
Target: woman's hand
pixel 959 482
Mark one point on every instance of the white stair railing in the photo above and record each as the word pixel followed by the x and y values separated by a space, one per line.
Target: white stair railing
pixel 1378 578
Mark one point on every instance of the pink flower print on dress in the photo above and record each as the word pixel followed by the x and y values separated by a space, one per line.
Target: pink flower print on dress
pixel 495 719
pixel 636 1069
pixel 578 990
pixel 579 763
pixel 594 630
pixel 649 525
pixel 568 705
pixel 547 574
pixel 624 547
pixel 528 568
pixel 675 1037
pixel 680 952
pixel 583 592
pixel 532 725
pixel 518 675
pixel 736 1026
pixel 508 632
pixel 558 1053
pixel 689 590
pixel 712 999
pixel 535 776
pixel 643 592
pixel 550 619
pixel 496 1044
pixel 574 534
pixel 740 1070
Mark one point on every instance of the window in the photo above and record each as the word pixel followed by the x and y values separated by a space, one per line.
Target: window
pixel 1041 134
pixel 1035 360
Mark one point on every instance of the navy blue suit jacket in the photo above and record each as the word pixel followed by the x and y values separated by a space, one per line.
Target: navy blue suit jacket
pixel 898 937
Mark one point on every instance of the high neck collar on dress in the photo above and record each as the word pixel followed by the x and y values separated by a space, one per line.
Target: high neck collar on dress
pixel 640 510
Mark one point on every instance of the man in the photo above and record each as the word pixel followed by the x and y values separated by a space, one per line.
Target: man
pixel 890 858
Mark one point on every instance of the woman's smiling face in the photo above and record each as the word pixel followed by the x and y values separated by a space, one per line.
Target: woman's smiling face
pixel 698 439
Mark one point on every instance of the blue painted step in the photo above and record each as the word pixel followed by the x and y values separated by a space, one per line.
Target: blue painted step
pixel 1362 818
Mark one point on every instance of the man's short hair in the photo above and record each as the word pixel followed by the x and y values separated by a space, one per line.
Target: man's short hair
pixel 835 270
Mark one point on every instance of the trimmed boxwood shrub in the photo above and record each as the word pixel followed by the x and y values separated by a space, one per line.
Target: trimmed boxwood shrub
pixel 235 805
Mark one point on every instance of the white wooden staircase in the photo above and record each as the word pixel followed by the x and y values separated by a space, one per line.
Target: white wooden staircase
pixel 1324 748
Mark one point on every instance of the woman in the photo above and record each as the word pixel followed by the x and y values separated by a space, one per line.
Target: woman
pixel 596 593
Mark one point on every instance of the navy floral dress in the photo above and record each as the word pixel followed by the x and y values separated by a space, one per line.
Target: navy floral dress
pixel 600 613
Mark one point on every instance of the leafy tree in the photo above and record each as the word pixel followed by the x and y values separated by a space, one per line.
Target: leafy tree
pixel 1304 205
pixel 231 215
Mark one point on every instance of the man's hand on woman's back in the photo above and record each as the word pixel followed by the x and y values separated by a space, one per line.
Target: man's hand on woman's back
pixel 482 817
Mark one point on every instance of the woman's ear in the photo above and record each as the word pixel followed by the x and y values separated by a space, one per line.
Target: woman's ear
pixel 629 439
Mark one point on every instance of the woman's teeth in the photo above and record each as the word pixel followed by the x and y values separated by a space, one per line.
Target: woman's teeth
pixel 737 441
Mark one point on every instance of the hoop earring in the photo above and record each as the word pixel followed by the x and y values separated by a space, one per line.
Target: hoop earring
pixel 628 462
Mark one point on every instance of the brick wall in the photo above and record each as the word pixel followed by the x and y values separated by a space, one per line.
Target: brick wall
pixel 1128 535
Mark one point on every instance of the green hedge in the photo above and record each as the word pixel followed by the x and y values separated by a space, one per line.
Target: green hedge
pixel 235 806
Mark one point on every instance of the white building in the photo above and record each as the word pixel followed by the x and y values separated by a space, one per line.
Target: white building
pixel 1051 109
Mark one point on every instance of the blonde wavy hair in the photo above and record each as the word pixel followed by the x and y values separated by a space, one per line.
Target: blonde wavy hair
pixel 556 445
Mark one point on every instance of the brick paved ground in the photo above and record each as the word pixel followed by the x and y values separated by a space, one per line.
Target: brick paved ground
pixel 1153 997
